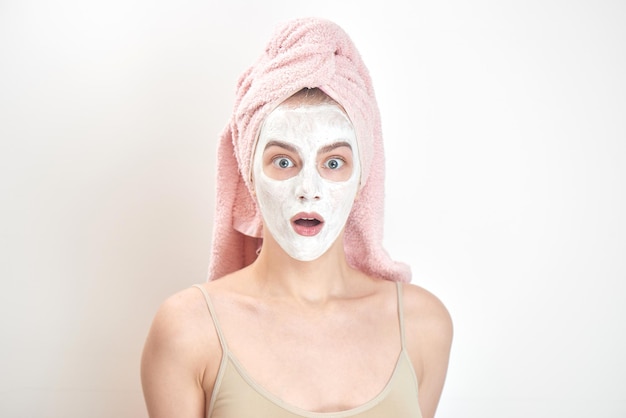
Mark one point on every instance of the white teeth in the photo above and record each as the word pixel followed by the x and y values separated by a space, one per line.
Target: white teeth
pixel 308 219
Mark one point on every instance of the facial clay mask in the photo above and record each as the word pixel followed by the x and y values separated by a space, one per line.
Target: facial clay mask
pixel 306 172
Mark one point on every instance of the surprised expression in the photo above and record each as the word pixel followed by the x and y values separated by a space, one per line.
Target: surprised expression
pixel 306 172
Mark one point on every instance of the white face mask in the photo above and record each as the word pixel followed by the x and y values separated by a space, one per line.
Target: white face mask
pixel 306 172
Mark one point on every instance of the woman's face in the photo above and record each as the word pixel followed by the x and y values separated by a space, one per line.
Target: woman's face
pixel 306 172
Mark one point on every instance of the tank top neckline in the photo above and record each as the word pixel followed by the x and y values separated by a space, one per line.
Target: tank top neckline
pixel 228 355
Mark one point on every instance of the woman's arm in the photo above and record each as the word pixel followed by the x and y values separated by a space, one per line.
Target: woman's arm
pixel 429 333
pixel 176 358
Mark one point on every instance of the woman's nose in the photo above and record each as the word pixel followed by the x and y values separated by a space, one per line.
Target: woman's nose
pixel 309 187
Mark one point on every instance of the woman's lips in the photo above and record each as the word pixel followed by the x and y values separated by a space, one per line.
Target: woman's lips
pixel 307 224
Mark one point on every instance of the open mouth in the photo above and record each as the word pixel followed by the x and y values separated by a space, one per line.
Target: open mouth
pixel 307 224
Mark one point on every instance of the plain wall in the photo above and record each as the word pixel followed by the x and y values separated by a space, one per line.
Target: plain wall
pixel 505 127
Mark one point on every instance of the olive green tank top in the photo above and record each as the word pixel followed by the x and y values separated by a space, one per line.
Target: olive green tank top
pixel 236 395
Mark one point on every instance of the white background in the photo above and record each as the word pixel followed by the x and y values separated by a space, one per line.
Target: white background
pixel 506 143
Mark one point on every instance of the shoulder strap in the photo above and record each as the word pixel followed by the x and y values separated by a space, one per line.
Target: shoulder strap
pixel 401 313
pixel 216 324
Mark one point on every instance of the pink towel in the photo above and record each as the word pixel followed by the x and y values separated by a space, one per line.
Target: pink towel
pixel 306 52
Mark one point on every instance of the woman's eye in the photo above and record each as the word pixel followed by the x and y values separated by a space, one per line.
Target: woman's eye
pixel 334 163
pixel 282 162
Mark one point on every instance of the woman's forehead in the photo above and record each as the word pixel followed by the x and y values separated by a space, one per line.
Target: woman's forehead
pixel 287 119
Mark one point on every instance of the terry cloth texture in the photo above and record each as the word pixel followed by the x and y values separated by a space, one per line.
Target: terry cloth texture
pixel 302 53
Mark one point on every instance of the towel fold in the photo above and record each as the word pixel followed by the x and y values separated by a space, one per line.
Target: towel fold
pixel 302 53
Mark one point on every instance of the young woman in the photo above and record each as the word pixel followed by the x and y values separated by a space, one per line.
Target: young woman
pixel 304 313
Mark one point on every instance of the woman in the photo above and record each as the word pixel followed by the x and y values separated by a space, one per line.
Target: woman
pixel 304 313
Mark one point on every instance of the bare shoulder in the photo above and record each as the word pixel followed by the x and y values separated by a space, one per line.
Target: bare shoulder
pixel 184 318
pixel 181 325
pixel 181 317
pixel 180 357
pixel 428 329
pixel 182 336
pixel 426 315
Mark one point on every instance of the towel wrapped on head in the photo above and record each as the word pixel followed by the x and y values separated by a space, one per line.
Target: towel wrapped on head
pixel 303 53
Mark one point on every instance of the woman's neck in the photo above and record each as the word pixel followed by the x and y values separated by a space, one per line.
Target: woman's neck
pixel 309 282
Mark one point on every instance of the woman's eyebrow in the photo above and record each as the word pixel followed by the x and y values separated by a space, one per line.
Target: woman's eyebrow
pixel 291 148
pixel 333 146
pixel 281 144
